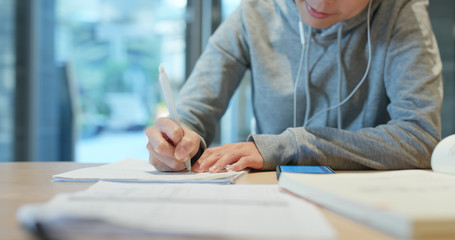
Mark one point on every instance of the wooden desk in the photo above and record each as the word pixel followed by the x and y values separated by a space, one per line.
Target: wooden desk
pixel 31 182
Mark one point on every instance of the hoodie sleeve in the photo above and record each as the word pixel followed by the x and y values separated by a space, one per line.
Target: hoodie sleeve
pixel 413 82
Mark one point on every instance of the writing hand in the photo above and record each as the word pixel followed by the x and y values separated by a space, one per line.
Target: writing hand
pixel 238 155
pixel 169 146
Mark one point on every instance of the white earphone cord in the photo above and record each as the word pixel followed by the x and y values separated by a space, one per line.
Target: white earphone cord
pixel 296 83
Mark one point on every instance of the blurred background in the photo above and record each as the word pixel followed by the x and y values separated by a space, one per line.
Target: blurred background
pixel 78 79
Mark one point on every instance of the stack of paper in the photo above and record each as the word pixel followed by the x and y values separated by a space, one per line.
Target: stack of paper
pixel 134 170
pixel 408 203
pixel 207 210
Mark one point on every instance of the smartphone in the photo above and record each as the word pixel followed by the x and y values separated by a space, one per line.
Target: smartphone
pixel 303 169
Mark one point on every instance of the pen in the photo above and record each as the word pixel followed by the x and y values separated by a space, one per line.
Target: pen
pixel 167 92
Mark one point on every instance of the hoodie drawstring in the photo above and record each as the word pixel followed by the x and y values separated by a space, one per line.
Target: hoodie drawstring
pixel 340 76
pixel 305 52
pixel 367 70
pixel 307 76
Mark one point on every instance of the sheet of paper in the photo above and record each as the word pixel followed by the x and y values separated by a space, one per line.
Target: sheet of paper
pixel 246 211
pixel 135 170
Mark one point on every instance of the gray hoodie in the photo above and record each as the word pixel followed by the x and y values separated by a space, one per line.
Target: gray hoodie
pixel 392 121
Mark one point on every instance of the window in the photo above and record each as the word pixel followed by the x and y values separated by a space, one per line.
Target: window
pixel 6 79
pixel 114 49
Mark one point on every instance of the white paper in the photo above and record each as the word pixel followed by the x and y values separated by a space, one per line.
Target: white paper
pixel 407 203
pixel 413 193
pixel 246 211
pixel 135 170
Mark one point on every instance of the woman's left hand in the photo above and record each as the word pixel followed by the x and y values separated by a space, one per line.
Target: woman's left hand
pixel 238 156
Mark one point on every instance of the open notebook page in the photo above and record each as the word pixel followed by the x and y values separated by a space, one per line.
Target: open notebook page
pixel 135 170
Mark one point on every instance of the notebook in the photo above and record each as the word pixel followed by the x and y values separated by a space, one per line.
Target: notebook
pixel 136 170
pixel 406 203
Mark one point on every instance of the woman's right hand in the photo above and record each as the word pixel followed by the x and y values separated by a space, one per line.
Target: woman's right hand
pixel 169 145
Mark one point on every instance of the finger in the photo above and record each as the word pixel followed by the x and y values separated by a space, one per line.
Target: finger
pixel 217 158
pixel 160 166
pixel 158 143
pixel 188 145
pixel 208 157
pixel 165 163
pixel 161 152
pixel 222 162
pixel 241 164
pixel 170 129
pixel 197 167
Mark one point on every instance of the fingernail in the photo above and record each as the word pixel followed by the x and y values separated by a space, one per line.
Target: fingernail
pixel 180 154
pixel 213 168
pixel 201 166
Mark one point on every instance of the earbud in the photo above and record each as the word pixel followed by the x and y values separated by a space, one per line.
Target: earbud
pixel 302 33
